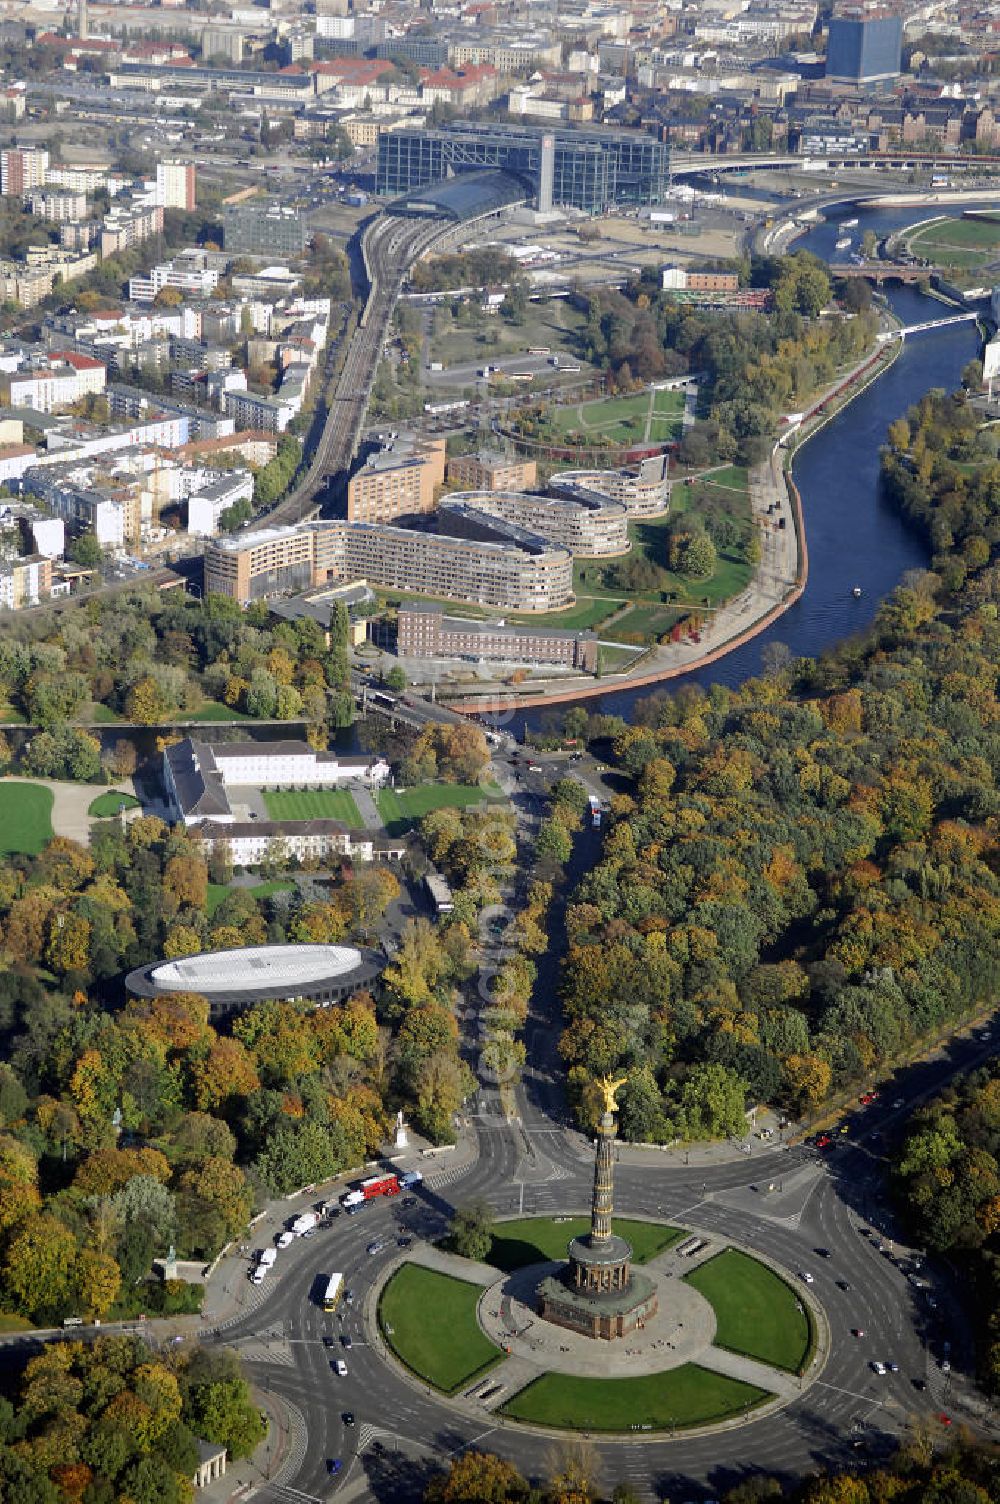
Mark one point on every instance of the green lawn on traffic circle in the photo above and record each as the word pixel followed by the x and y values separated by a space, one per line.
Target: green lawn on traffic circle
pixel 106 806
pixel 532 1240
pixel 429 1321
pixel 756 1312
pixel 313 804
pixel 25 818
pixel 674 1399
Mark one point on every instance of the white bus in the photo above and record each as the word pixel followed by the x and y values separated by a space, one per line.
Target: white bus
pixel 333 1292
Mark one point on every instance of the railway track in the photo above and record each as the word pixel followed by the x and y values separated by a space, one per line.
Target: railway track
pixel 390 246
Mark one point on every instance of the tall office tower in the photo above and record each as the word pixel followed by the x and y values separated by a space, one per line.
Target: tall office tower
pixel 82 22
pixel 865 44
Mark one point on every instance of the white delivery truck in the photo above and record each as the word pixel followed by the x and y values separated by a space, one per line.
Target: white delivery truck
pixel 411 1177
pixel 304 1223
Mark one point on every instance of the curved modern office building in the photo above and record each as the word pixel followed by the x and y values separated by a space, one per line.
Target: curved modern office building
pixel 236 979
pixel 588 525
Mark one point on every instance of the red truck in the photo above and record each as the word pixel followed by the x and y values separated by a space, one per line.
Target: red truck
pixel 375 1185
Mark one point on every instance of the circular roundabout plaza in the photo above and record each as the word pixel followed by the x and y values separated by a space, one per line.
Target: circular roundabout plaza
pixel 725 1335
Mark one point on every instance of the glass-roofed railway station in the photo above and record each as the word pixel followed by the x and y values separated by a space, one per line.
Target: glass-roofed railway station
pixel 469 196
pixel 588 169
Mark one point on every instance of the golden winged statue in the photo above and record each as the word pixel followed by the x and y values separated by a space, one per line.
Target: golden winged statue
pixel 609 1087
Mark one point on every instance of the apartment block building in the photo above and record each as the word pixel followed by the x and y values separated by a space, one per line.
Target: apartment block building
pixel 253 410
pixel 399 481
pixel 58 381
pixel 424 631
pixel 111 515
pixel 526 574
pixel 25 582
pixel 28 282
pixel 61 205
pixel 175 184
pixel 254 565
pixel 21 168
pixel 680 279
pixel 201 423
pixel 589 526
pixel 190 273
pixel 489 471
pixel 206 506
pixel 130 225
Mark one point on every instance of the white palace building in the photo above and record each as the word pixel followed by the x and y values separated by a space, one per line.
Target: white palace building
pixel 210 789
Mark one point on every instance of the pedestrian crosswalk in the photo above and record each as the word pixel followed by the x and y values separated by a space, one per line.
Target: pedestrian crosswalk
pixel 252 1298
pixel 368 1434
pixel 447 1177
pixel 258 1349
pixel 292 1465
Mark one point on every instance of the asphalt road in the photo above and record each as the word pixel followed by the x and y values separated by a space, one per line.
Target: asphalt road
pixel 788 1202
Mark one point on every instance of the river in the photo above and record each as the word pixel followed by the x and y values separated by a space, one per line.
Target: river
pixel 854 537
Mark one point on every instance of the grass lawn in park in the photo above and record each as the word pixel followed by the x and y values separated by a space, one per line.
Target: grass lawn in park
pixel 730 477
pixel 313 804
pixel 429 1321
pixel 9 1323
pixel 402 808
pixel 641 417
pixel 757 1312
pixel 642 622
pixel 106 806
pixel 962 243
pixel 213 710
pixel 680 1397
pixel 217 892
pixel 585 616
pixel 531 1240
pixel 25 818
pixel 100 714
pixel 556 324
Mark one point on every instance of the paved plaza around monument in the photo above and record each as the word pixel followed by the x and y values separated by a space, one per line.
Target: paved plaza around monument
pixel 681 1330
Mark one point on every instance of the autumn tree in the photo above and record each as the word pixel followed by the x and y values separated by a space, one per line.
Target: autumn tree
pixel 477 1478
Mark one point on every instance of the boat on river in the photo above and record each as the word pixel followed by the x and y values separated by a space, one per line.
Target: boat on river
pixel 844 244
pixel 856 592
pixel 848 224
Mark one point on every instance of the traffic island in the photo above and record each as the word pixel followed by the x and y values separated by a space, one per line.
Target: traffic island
pixel 685 1397
pixel 757 1313
pixel 428 1319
